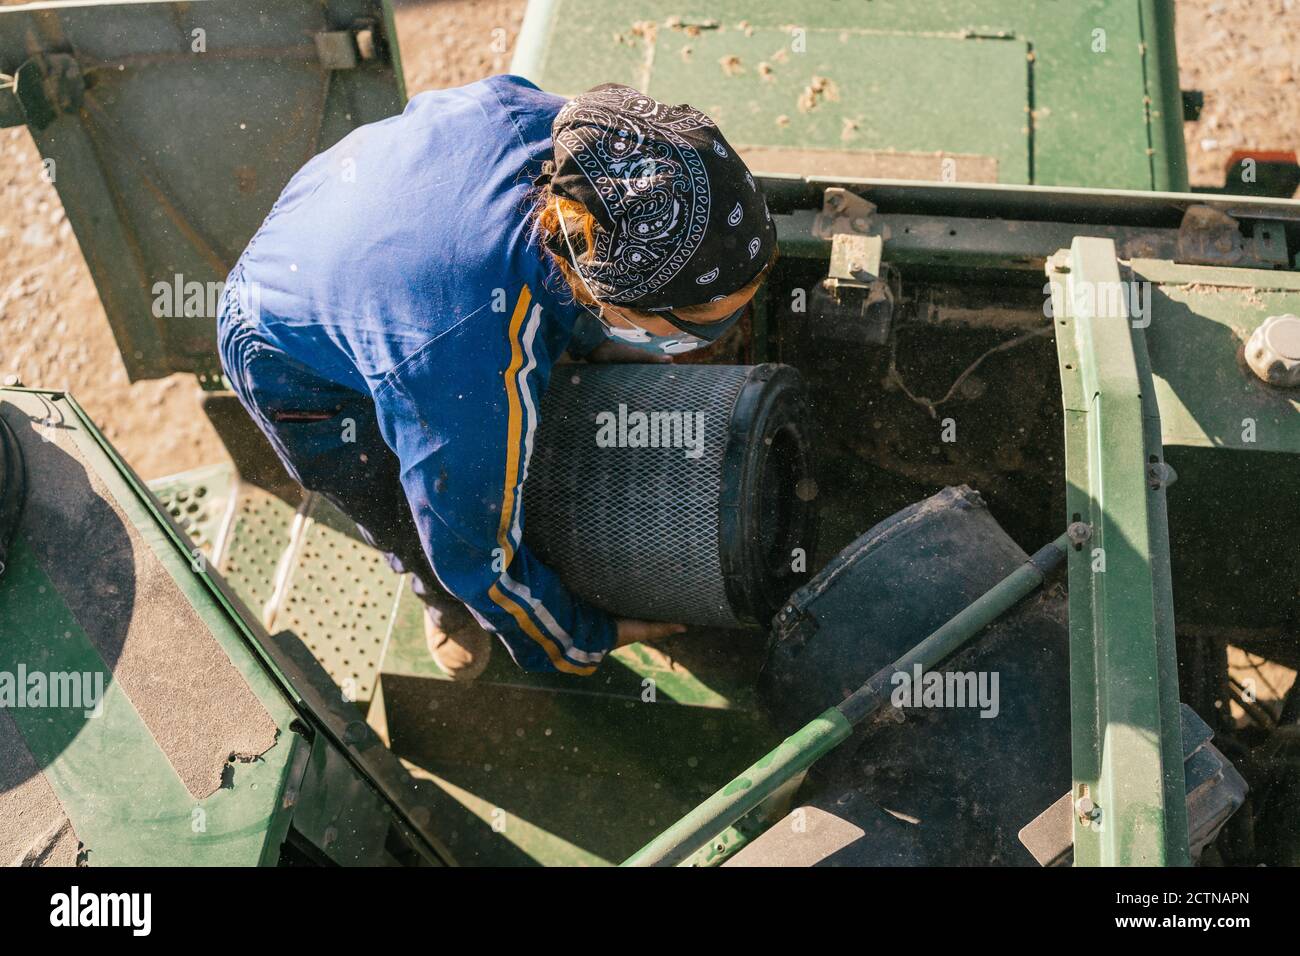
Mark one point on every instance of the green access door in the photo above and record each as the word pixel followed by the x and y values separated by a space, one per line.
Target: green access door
pixel 820 114
pixel 1006 91
pixel 169 129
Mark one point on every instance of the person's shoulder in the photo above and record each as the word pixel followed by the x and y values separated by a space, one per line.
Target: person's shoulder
pixel 531 109
pixel 508 86
pixel 503 91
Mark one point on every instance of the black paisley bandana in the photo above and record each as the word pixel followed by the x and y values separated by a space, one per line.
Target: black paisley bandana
pixel 680 219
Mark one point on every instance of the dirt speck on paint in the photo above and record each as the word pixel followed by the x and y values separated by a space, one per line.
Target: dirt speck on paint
pixel 819 88
pixel 645 29
pixel 731 65
pixel 692 28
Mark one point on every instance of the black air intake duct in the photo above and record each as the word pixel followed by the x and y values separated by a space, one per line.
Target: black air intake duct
pixel 649 515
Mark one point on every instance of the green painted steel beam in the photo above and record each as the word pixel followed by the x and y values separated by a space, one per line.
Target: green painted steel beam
pixel 1127 757
pixel 948 226
pixel 1164 99
pixel 790 758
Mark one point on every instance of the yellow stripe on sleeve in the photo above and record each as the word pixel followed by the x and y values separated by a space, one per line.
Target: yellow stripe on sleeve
pixel 515 430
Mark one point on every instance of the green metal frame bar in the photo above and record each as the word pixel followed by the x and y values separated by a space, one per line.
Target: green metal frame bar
pixel 1014 228
pixel 1163 95
pixel 1127 751
pixel 794 755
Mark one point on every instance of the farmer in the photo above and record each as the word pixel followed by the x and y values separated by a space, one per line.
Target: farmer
pixel 393 324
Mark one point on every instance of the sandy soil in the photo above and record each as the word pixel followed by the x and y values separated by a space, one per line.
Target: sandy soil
pixel 1244 54
pixel 53 332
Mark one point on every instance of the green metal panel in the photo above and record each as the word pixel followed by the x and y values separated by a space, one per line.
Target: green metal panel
pixel 123 797
pixel 1127 753
pixel 125 802
pixel 173 126
pixel 896 111
pixel 1102 106
pixel 1235 442
pixel 557 769
pixel 1200 319
pixel 339 597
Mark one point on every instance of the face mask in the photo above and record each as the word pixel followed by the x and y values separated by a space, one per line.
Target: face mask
pixel 636 336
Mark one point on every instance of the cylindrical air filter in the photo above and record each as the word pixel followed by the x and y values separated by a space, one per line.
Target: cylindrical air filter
pixel 674 492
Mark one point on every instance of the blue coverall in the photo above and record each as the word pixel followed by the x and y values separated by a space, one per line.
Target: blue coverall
pixel 391 328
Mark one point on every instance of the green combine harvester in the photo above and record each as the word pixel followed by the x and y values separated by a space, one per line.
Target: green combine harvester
pixel 1057 447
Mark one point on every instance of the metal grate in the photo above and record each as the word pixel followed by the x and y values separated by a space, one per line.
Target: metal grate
pixel 258 537
pixel 340 599
pixel 633 529
pixel 197 502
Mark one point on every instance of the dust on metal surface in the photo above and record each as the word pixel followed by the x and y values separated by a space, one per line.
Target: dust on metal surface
pixel 827 82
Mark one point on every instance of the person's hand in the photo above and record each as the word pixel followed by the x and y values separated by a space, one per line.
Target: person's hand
pixel 611 351
pixel 631 631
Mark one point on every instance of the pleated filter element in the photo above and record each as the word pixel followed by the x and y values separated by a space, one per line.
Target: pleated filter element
pixel 669 492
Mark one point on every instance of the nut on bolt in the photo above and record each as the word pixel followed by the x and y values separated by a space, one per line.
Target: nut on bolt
pixel 1161 474
pixel 1089 813
pixel 1078 532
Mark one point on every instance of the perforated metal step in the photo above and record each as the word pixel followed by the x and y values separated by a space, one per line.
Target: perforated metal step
pixel 305 569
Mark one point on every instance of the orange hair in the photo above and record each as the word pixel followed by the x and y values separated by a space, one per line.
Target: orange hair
pixel 581 225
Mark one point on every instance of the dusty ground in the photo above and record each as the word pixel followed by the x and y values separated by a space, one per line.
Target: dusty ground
pixel 1244 54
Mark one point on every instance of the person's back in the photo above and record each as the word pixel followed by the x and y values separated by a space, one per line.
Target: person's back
pixel 392 326
pixel 403 230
